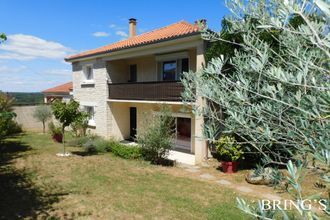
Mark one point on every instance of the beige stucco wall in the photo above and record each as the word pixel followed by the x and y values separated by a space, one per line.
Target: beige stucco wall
pixel 148 69
pixel 120 120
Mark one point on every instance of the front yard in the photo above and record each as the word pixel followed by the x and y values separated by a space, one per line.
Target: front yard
pixel 35 183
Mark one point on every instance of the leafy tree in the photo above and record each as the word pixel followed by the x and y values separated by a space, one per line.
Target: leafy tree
pixel 276 97
pixel 43 113
pixel 6 102
pixel 66 114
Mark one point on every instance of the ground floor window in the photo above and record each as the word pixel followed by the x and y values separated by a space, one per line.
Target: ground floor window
pixel 91 111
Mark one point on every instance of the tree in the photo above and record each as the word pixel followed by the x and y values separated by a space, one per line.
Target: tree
pixel 276 101
pixel 43 113
pixel 66 113
pixel 276 98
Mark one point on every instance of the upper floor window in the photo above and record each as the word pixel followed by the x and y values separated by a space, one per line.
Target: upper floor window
pixel 88 73
pixel 172 70
pixel 169 70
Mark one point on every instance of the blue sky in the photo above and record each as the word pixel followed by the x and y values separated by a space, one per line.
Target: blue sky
pixel 42 32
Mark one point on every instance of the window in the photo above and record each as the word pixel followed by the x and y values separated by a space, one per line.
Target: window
pixel 90 110
pixel 88 71
pixel 172 70
pixel 169 70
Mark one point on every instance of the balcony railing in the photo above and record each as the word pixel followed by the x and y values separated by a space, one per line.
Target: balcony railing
pixel 152 91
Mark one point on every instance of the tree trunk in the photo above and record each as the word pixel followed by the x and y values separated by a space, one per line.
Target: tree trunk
pixel 43 126
pixel 63 140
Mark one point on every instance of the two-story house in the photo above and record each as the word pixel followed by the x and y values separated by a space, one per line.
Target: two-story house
pixel 121 82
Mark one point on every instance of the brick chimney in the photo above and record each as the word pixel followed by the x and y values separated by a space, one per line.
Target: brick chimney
pixel 132 27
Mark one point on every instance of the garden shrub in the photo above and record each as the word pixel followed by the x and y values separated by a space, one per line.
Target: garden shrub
pixel 126 152
pixel 97 145
pixel 93 144
pixel 7 124
pixel 80 141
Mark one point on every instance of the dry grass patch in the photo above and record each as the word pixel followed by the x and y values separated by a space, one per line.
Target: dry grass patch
pixel 106 187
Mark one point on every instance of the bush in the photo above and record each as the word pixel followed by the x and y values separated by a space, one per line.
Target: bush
pixel 126 152
pixel 157 138
pixel 228 149
pixel 80 141
pixel 93 144
pixel 7 124
pixel 13 127
pixel 97 145
pixel 8 127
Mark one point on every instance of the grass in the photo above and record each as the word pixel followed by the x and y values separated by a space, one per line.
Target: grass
pixel 100 187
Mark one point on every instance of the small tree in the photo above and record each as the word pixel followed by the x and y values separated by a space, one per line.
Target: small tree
pixel 66 113
pixel 43 113
pixel 157 137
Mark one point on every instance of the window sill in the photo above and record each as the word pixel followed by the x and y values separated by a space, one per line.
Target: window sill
pixel 88 83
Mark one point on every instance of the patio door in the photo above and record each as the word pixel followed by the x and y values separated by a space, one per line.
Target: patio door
pixel 132 113
pixel 183 134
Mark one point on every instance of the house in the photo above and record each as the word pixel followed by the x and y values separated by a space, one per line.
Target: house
pixel 122 82
pixel 61 92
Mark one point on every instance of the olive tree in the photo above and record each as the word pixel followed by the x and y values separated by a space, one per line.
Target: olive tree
pixel 276 98
pixel 43 113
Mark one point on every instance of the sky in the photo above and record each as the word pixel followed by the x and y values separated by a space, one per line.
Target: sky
pixel 41 33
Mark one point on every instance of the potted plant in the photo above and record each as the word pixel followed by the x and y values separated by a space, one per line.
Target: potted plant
pixel 229 152
pixel 56 132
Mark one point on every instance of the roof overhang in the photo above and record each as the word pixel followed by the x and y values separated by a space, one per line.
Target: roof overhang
pixel 170 41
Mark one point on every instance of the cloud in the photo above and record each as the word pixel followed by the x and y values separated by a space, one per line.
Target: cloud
pixel 7 69
pixel 100 34
pixel 28 47
pixel 56 72
pixel 122 34
pixel 112 26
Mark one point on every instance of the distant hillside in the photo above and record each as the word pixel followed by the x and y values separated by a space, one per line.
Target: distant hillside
pixel 27 98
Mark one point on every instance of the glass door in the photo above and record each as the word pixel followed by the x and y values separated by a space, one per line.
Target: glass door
pixel 183 133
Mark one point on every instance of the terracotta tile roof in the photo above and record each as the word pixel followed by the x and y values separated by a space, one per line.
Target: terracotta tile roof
pixel 179 29
pixel 64 88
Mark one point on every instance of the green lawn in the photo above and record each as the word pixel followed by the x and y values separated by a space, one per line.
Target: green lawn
pixel 35 183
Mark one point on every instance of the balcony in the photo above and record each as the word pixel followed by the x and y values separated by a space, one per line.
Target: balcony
pixel 150 91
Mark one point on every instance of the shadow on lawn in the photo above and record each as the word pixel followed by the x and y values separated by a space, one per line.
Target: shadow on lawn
pixel 19 197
